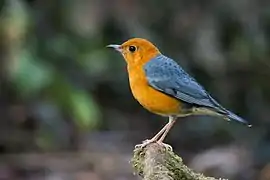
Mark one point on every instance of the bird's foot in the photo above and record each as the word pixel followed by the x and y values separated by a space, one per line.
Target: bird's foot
pixel 145 143
pixel 149 141
pixel 167 146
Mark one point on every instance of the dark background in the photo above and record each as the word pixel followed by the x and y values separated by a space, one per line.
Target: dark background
pixel 66 111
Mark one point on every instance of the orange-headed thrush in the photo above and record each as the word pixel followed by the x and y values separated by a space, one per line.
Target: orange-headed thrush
pixel 163 87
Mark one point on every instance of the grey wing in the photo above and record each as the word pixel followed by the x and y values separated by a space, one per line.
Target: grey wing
pixel 165 75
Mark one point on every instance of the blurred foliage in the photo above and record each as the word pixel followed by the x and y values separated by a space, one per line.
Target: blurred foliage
pixel 59 83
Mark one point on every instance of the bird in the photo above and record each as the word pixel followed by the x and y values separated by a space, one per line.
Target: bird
pixel 164 88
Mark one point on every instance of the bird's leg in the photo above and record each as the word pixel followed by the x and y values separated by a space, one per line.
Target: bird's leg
pixel 154 139
pixel 172 120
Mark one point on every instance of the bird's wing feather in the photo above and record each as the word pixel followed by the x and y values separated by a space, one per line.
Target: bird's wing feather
pixel 165 75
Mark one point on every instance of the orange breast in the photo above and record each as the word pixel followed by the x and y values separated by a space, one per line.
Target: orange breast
pixel 151 99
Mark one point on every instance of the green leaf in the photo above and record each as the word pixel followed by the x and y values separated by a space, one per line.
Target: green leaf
pixel 85 109
pixel 30 75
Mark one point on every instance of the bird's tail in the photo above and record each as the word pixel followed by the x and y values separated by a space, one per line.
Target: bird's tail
pixel 232 116
pixel 225 114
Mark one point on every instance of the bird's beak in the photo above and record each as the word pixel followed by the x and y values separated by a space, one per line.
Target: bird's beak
pixel 115 47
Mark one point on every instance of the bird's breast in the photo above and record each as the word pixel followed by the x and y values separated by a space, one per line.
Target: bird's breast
pixel 150 98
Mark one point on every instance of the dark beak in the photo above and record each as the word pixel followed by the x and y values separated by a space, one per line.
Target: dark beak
pixel 115 47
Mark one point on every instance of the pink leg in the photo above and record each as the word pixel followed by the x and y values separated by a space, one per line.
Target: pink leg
pixel 154 139
pixel 168 127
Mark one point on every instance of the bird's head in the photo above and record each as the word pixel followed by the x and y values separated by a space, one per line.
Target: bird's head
pixel 136 51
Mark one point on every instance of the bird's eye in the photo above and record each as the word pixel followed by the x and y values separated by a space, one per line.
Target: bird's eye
pixel 132 48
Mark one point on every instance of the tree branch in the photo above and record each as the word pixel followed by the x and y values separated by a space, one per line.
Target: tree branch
pixel 155 162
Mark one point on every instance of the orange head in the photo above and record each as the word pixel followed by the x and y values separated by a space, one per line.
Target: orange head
pixel 136 51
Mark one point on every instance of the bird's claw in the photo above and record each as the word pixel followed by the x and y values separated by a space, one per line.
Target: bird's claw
pixel 167 146
pixel 147 141
pixel 144 143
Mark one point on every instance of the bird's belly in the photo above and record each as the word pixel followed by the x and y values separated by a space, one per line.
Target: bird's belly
pixel 155 101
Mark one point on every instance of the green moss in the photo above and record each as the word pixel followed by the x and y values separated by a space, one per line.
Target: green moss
pixel 156 162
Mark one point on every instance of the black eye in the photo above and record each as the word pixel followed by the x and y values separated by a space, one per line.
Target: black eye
pixel 132 48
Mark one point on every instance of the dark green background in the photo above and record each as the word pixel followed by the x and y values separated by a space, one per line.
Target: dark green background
pixel 66 110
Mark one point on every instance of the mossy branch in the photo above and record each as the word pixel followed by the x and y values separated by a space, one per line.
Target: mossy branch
pixel 155 162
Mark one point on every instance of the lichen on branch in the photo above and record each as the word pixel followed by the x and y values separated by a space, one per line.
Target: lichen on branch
pixel 155 162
